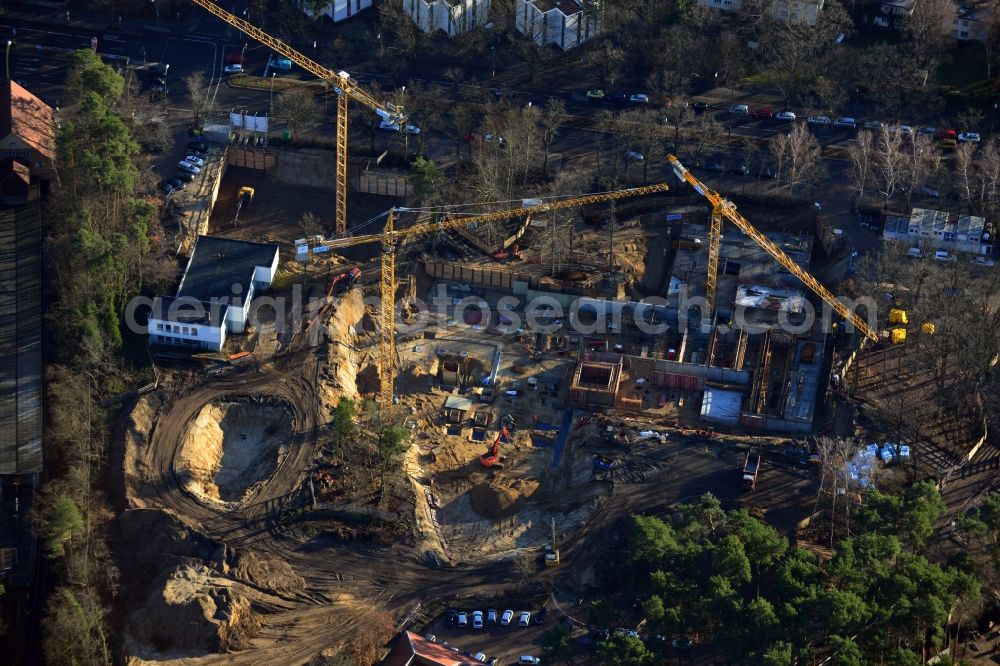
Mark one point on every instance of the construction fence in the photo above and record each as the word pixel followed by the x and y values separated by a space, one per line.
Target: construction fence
pixel 487 277
pixel 382 183
pixel 260 159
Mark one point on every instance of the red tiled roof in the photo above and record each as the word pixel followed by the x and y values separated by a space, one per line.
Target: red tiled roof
pixel 28 117
pixel 413 649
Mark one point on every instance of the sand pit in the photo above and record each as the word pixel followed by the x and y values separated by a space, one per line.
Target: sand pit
pixel 233 446
pixel 499 498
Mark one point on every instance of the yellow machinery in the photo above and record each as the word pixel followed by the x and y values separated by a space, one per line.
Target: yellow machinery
pixel 391 237
pixel 344 87
pixel 928 328
pixel 243 200
pixel 897 336
pixel 897 316
pixel 724 208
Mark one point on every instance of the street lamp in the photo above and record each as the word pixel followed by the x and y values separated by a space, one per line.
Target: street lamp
pixel 271 104
pixel 9 44
pixel 243 53
pixel 493 53
pixel 993 117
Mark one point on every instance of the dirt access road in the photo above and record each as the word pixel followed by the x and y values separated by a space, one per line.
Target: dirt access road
pixel 344 583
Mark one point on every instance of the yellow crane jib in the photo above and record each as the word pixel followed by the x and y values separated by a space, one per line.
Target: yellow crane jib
pixel 722 207
pixel 345 87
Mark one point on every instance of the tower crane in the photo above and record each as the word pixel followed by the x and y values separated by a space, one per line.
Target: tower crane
pixel 390 237
pixel 343 86
pixel 724 208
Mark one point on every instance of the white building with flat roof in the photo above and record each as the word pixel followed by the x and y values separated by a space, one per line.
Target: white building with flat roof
pixel 449 16
pixel 563 23
pixel 939 229
pixel 796 12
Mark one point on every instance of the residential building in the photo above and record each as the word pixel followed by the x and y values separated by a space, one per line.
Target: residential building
pixel 412 649
pixel 889 13
pixel 449 16
pixel 563 23
pixel 28 132
pixel 939 229
pixel 221 279
pixel 787 11
pixel 338 10
pixel 973 19
pixel 797 12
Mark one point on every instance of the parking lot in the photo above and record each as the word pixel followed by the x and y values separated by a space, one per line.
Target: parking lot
pixel 496 641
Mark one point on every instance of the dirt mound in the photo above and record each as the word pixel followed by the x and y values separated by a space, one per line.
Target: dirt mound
pixel 138 428
pixel 499 498
pixel 233 446
pixel 271 574
pixel 195 611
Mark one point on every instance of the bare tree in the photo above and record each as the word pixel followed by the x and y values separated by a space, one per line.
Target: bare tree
pixel 862 153
pixel 299 109
pixel 551 120
pixel 964 168
pixel 988 175
pixel 891 161
pixel 930 29
pixel 799 152
pixel 195 84
pixel 922 160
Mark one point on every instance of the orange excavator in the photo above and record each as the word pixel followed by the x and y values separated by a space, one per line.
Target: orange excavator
pixel 492 457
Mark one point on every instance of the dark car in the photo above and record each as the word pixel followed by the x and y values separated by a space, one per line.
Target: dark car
pixel 167 186
pixel 177 184
pixel 198 145
pixel 618 98
pixel 236 59
pixel 700 107
pixel 451 617
pixel 540 616
pixel 159 69
pixel 740 170
pixel 763 114
pixel 184 176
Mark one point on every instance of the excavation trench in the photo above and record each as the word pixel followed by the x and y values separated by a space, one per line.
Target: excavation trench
pixel 233 447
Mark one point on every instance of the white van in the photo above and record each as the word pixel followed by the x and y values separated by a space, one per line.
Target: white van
pixel 941 255
pixel 915 252
pixel 529 660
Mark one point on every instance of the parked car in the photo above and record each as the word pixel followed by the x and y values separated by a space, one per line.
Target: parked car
pixel 634 156
pixel 785 115
pixel 488 138
pixel 184 165
pixel 480 656
pixel 177 183
pixel 495 661
pixel 233 69
pixel 874 124
pixel 616 97
pixel 740 170
pixel 463 619
pixel 639 98
pixel 450 618
pixel 477 619
pixel 742 109
pixel 430 637
pixel 681 643
pixel 767 172
pixel 818 120
pixel 195 160
pixel 472 137
pixel 970 137
pixel 540 616
pixel 159 69
pixel 928 192
pixel 507 616
pixel 491 617
pixel 596 93
pixel 525 619
pixel 281 63
pixel 236 59
pixel 167 187
pixel 699 107
pixel 764 113
pixel 845 121
pixel 199 144
pixel 528 660
pixel 927 130
pixel 905 130
pixel 184 176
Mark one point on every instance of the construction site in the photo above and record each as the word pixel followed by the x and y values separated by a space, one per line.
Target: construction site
pixel 544 395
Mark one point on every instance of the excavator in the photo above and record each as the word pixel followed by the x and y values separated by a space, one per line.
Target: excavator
pixel 243 200
pixel 492 457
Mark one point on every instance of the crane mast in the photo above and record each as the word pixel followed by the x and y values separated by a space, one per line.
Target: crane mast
pixel 343 86
pixel 391 236
pixel 724 208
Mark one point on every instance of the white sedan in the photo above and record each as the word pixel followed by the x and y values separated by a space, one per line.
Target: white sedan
pixel 819 120
pixel 639 98
pixel 187 166
pixel 785 115
pixel 195 160
pixel 233 69
pixel 970 137
pixel 634 156
pixel 507 616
